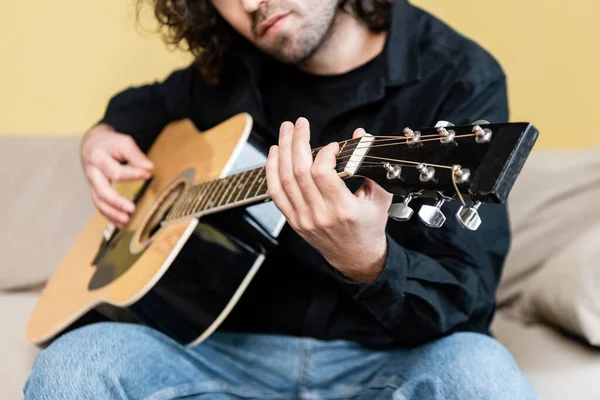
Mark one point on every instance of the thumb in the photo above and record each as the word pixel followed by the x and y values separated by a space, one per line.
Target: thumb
pixel 371 191
pixel 134 155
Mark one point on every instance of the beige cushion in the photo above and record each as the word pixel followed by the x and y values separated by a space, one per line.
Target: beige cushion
pixel 554 197
pixel 566 290
pixel 558 367
pixel 44 202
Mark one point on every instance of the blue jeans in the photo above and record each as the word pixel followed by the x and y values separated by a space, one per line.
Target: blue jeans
pixel 123 361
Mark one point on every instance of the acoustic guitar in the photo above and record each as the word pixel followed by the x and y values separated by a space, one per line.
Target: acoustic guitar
pixel 209 191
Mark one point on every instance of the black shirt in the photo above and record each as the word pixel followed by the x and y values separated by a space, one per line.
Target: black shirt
pixel 315 97
pixel 435 281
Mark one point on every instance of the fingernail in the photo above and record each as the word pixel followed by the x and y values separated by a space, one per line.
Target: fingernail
pixel 300 122
pixel 286 128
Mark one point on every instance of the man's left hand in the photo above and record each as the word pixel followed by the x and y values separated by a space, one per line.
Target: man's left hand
pixel 347 228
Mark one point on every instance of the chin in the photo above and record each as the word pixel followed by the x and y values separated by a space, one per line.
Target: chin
pixel 288 54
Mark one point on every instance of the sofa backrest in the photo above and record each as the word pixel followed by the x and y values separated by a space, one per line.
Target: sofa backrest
pixel 44 203
pixel 554 198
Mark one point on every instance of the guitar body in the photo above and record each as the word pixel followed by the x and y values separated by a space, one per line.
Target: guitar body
pixel 181 277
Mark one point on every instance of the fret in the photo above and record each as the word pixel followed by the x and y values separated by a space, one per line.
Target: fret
pixel 245 178
pixel 171 213
pixel 193 193
pixel 261 180
pixel 225 185
pixel 230 189
pixel 235 184
pixel 210 198
pixel 342 148
pixel 199 195
pixel 179 207
pixel 257 173
pixel 216 194
pixel 209 191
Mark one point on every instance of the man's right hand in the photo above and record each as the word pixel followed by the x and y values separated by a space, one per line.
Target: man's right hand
pixel 102 152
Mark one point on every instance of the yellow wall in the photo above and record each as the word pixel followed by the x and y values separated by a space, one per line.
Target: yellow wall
pixel 60 61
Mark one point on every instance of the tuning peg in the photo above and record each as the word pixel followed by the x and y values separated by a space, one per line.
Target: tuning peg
pixel 411 136
pixel 426 173
pixel 393 170
pixel 468 217
pixel 482 135
pixel 432 216
pixel 401 211
pixel 446 136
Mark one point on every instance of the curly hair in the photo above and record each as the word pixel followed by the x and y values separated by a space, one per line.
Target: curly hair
pixel 197 26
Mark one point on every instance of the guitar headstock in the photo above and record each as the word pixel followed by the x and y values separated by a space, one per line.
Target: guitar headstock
pixel 475 164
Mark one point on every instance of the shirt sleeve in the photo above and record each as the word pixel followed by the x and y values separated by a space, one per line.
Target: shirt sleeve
pixel 442 280
pixel 143 111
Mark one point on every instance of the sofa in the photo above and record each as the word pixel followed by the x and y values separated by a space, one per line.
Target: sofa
pixel 44 202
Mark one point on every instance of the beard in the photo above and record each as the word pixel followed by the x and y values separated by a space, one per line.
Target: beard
pixel 300 44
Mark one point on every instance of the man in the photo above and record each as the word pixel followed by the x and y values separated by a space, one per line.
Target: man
pixel 351 305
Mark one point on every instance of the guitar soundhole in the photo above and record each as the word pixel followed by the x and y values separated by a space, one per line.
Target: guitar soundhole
pixel 158 213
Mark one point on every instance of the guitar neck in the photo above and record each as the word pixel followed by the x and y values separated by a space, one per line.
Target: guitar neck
pixel 207 197
pixel 239 189
pixel 479 162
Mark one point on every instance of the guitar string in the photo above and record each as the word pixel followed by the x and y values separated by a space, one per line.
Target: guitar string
pixel 378 164
pixel 377 139
pixel 381 137
pixel 367 146
pixel 423 138
pixel 405 161
pixel 195 187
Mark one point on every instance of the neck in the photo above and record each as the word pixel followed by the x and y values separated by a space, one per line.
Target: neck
pixel 348 45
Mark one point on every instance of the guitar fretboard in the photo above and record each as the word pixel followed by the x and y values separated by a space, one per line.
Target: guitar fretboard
pixel 244 187
pixel 238 189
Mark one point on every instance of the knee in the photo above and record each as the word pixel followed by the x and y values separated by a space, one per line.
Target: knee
pixel 81 357
pixel 479 367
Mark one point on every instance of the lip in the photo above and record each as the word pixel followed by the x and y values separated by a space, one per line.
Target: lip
pixel 265 25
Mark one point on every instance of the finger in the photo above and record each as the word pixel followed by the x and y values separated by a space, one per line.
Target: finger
pixel 118 218
pixel 302 161
pixel 129 151
pixel 286 169
pixel 331 186
pixel 358 132
pixel 274 185
pixel 107 193
pixel 117 172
